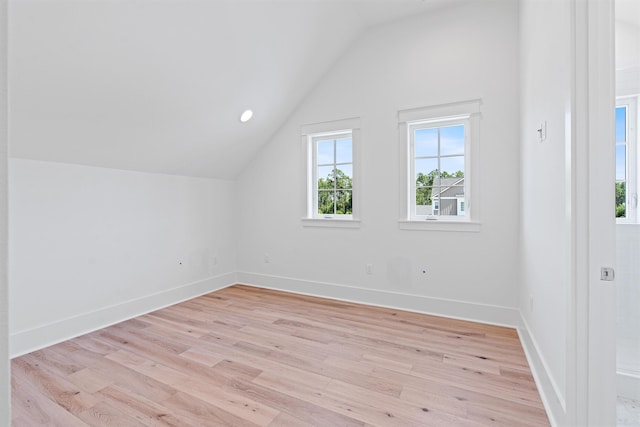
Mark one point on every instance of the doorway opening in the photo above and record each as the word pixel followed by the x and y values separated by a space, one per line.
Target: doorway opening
pixel 627 63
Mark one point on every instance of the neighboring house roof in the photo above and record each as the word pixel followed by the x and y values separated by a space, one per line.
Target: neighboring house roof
pixel 449 187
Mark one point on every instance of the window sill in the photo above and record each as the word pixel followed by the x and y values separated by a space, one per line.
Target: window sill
pixel 331 222
pixel 439 225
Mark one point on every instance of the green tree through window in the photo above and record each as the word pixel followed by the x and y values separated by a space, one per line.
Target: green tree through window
pixel 621 196
pixel 335 194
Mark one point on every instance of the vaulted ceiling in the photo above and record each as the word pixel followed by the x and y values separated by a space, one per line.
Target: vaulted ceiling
pixel 159 85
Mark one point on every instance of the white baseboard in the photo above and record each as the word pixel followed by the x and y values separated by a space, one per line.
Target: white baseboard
pixel 26 341
pixel 628 385
pixel 552 398
pixel 464 310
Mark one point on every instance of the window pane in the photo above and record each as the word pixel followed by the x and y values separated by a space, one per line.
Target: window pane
pixel 426 142
pixel 621 199
pixel 344 202
pixel 325 202
pixel 344 176
pixel 621 124
pixel 426 169
pixel 344 152
pixel 452 140
pixel 423 199
pixel 325 172
pixel 621 162
pixel 452 191
pixel 448 207
pixel 325 152
pixel 452 166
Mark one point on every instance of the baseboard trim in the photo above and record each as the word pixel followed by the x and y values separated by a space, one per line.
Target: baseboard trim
pixel 463 310
pixel 628 385
pixel 552 399
pixel 26 341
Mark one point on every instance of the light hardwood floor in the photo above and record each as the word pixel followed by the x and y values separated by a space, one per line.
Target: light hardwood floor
pixel 245 356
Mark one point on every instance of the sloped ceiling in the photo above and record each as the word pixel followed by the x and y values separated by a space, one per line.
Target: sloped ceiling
pixel 158 86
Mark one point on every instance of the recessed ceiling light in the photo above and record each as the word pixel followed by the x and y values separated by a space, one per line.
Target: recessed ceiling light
pixel 246 116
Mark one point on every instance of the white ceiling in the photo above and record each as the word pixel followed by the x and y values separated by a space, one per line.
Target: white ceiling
pixel 159 85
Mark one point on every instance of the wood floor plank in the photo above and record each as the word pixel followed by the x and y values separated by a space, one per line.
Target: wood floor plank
pixel 31 408
pixel 201 413
pixel 247 357
pixel 143 410
pixel 104 414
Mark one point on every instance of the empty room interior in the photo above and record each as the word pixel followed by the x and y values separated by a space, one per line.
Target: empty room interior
pixel 330 213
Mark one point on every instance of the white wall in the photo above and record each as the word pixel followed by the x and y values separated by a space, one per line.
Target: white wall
pixel 628 315
pixel 5 385
pixel 546 93
pixel 455 54
pixel 91 246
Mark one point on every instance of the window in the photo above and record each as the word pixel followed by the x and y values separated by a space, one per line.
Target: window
pixel 438 144
pixel 332 166
pixel 437 163
pixel 626 203
pixel 333 174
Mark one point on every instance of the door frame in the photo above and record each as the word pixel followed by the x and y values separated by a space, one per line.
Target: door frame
pixel 591 341
pixel 5 367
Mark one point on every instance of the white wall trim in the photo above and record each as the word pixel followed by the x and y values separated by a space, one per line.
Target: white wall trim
pixel 331 126
pixel 463 310
pixel 470 107
pixel 440 225
pixel 552 398
pixel 5 367
pixel 29 340
pixel 331 222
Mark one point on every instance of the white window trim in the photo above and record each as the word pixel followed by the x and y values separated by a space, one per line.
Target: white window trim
pixel 308 133
pixel 632 214
pixel 425 124
pixel 440 225
pixel 470 110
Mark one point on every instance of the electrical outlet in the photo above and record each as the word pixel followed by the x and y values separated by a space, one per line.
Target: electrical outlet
pixel 369 268
pixel 267 259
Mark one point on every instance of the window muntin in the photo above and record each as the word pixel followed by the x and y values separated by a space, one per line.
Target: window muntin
pixel 437 168
pixel 332 164
pixel 332 150
pixel 626 153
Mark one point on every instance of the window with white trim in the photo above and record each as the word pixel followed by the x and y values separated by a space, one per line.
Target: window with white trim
pixel 332 183
pixel 333 174
pixel 626 204
pixel 438 144
pixel 437 167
